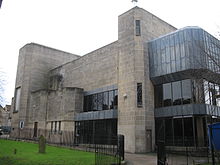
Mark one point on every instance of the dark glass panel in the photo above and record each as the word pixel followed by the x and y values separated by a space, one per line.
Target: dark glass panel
pixel 186 91
pixel 178 132
pixel 94 102
pixel 158 90
pixel 206 92
pixel 167 95
pixel 55 127
pixel 176 88
pixel 59 127
pixel 139 94
pixel 116 99
pixel 89 100
pixel 159 130
pixel 85 107
pixel 168 132
pixel 100 101
pixel 111 99
pixel 138 27
pixel 188 131
pixel 105 101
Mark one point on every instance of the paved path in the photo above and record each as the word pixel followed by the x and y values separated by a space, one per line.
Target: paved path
pixel 151 159
pixel 141 159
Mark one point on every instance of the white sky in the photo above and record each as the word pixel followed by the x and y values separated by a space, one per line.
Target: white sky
pixel 82 26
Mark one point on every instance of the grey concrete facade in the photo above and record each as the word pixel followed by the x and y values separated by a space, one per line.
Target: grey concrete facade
pixel 53 82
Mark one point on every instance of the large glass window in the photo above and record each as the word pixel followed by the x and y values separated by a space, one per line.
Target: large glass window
pixel 116 100
pixel 169 132
pixel 211 93
pixel 176 86
pixel 94 102
pixel 188 131
pixel 96 131
pixel 101 101
pixel 175 93
pixel 111 99
pixel 105 101
pixel 178 131
pixel 167 94
pixel 158 96
pixel 186 91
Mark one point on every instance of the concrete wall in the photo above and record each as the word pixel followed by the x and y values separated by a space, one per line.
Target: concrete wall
pixel 32 73
pixel 93 70
pixel 133 122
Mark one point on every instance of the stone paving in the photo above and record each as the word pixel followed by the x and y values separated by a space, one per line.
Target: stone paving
pixel 151 159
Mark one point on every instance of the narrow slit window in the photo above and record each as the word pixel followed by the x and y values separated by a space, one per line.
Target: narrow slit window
pixel 51 126
pixel 138 27
pixel 139 95
pixel 59 128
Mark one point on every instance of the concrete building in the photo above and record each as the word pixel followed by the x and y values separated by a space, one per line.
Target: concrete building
pixel 120 88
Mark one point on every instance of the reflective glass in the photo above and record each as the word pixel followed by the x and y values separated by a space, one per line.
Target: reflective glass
pixel 167 95
pixel 111 99
pixel 186 91
pixel 100 101
pixel 116 99
pixel 206 92
pixel 158 90
pixel 105 101
pixel 176 88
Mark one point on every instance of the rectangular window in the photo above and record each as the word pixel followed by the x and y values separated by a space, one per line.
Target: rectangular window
pixel 186 91
pixel 99 101
pixel 116 99
pixel 51 126
pixel 105 101
pixel 17 99
pixel 89 102
pixel 111 99
pixel 176 90
pixel 139 95
pixel 138 27
pixel 59 127
pixel 158 90
pixel 94 102
pixel 55 127
pixel 85 107
pixel 167 95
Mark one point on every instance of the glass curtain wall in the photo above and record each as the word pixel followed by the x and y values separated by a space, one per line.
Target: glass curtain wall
pixel 174 93
pixel 178 131
pixel 188 48
pixel 95 131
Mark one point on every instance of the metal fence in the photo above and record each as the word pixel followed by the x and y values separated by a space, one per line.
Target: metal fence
pixel 111 153
pixel 184 155
pixel 109 150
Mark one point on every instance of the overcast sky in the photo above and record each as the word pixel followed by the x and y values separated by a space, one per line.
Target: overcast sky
pixel 81 26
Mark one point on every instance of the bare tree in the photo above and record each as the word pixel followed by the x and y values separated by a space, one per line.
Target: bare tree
pixel 2 87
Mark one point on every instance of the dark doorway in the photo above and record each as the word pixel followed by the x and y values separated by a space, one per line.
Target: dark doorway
pixel 35 129
pixel 148 140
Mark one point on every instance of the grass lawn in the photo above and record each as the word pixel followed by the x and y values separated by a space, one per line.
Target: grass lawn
pixel 27 154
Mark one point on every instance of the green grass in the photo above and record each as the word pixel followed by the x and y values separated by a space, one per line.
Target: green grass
pixel 27 154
